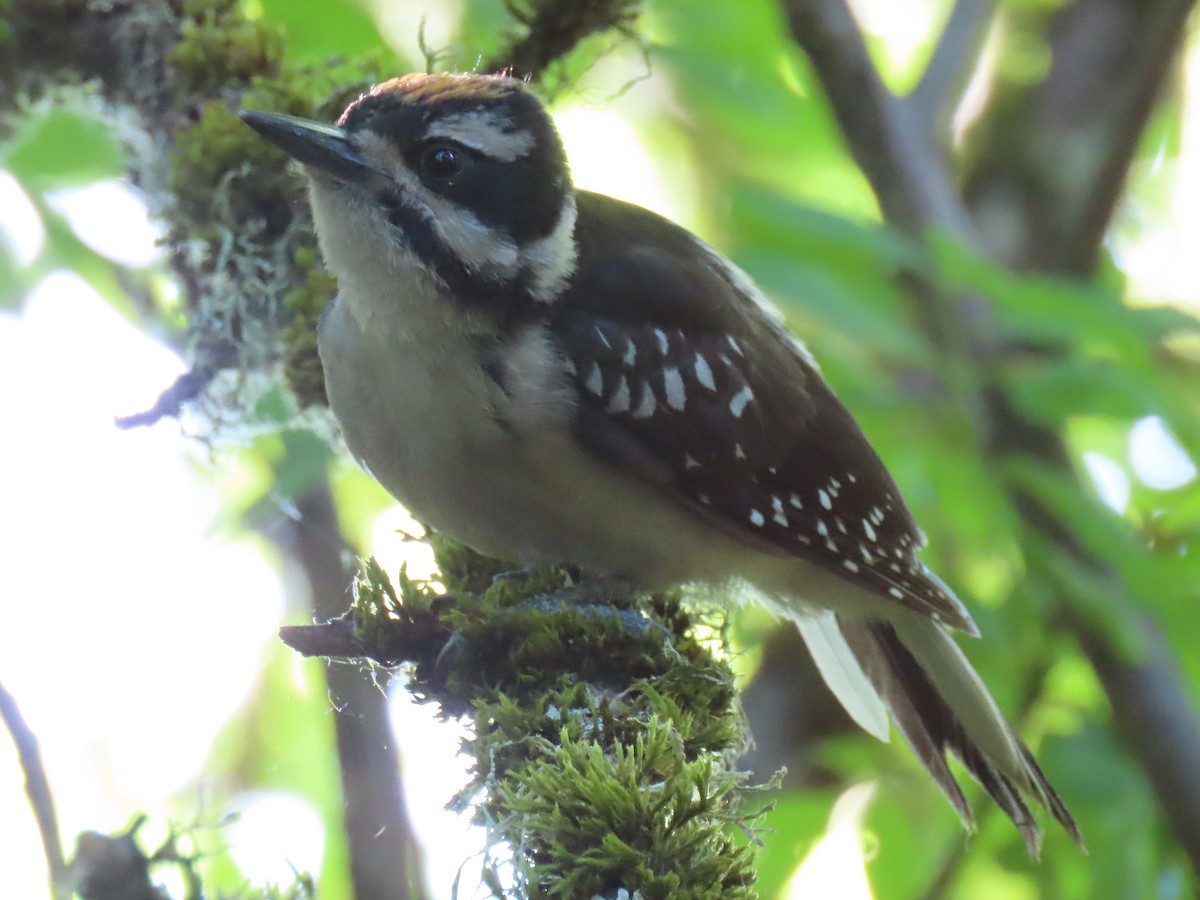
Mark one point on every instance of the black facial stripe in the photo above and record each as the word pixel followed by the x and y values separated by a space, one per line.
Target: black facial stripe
pixel 523 197
pixel 509 302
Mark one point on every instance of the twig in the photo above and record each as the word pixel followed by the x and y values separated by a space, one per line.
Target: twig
pixel 169 405
pixel 556 27
pixel 37 787
pixel 899 159
pixel 417 638
pixel 940 89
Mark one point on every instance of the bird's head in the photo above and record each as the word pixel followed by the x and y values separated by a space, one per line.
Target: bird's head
pixel 461 175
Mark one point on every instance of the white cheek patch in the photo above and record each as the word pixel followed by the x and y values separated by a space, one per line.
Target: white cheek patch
pixel 551 260
pixel 486 132
pixel 481 249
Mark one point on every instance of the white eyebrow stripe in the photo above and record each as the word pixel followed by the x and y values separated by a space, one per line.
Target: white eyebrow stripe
pixel 485 132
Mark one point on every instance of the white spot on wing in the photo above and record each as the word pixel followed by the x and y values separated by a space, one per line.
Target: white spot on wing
pixel 646 404
pixel 896 592
pixel 619 403
pixel 756 518
pixel 850 564
pixel 737 403
pixel 777 509
pixel 824 498
pixel 630 352
pixel 603 337
pixel 704 373
pixel 673 385
pixel 869 531
pixel 595 380
pixel 661 337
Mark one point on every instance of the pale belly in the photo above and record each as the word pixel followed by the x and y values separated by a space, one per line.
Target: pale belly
pixel 422 421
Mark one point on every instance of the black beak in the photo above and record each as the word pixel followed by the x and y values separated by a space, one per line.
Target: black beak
pixel 326 148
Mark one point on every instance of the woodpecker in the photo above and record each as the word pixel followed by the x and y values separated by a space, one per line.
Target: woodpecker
pixel 551 375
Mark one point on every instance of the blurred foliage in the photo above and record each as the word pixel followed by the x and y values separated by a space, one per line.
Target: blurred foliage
pixel 780 194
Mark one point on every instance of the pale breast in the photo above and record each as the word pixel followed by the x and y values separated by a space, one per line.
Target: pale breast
pixel 488 458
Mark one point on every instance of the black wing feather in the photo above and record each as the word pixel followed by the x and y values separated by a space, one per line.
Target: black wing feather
pixel 683 375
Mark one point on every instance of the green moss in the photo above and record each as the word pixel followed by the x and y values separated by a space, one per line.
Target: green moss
pixel 218 47
pixel 461 568
pixel 304 303
pixel 605 735
pixel 208 175
pixel 640 815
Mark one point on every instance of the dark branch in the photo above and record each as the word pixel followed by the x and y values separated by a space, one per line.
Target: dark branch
pixel 170 403
pixel 335 639
pixel 418 638
pixel 1053 155
pixel 384 858
pixel 900 161
pixel 553 28
pixel 37 788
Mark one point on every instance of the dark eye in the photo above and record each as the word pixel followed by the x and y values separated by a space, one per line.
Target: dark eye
pixel 443 161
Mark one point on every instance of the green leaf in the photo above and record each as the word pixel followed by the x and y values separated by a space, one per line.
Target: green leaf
pixel 1050 391
pixel 1056 310
pixel 59 147
pixel 1161 581
pixel 317 29
pixel 792 826
pixel 1109 797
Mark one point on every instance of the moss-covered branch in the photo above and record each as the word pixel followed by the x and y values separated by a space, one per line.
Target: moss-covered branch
pixel 605 734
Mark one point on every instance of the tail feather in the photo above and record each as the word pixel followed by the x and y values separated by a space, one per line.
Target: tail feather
pixel 939 704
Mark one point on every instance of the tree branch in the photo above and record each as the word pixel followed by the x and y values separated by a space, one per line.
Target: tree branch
pixel 900 160
pixel 1053 155
pixel 37 788
pixel 937 95
pixel 384 857
pixel 553 28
